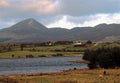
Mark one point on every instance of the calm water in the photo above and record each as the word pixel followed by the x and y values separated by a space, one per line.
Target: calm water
pixel 38 65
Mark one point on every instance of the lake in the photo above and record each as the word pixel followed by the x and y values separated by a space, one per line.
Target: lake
pixel 38 65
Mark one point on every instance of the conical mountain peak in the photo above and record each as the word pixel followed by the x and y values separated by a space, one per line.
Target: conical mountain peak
pixel 29 21
pixel 29 24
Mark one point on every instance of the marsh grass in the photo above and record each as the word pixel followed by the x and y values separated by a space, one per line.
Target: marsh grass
pixel 72 76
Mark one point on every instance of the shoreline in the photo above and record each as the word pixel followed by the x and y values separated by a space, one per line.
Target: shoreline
pixel 66 55
pixel 80 61
pixel 50 73
pixel 84 75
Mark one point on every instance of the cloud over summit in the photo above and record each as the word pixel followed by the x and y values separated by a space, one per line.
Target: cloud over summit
pixel 60 13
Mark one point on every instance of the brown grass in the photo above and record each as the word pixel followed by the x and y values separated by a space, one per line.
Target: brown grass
pixel 70 76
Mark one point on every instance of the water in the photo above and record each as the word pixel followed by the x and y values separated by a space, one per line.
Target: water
pixel 38 65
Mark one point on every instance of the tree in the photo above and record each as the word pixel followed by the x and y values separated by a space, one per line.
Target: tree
pixel 104 57
pixel 21 47
pixel 89 42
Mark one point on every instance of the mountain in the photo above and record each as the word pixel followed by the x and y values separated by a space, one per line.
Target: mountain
pixel 31 30
pixel 23 31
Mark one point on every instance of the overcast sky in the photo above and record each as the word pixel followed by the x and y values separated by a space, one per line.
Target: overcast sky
pixel 60 13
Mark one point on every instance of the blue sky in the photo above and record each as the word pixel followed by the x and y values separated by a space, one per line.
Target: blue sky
pixel 60 13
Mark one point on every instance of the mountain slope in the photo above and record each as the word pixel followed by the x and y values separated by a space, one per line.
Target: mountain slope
pixel 30 30
pixel 24 29
pixel 29 26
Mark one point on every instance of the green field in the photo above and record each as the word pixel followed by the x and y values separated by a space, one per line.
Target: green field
pixel 39 51
pixel 7 50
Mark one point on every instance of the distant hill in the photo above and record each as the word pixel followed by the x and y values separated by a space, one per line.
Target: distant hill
pixel 30 30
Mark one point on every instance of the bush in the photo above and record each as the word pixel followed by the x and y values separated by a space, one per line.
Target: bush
pixel 104 57
pixel 13 55
pixel 57 55
pixel 8 80
pixel 42 56
pixel 29 56
pixel 68 81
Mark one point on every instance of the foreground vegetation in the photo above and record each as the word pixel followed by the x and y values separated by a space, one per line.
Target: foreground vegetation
pixel 104 56
pixel 71 76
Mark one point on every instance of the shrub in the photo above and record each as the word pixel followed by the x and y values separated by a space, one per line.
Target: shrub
pixel 57 55
pixel 72 81
pixel 9 80
pixel 13 55
pixel 104 57
pixel 29 56
pixel 42 56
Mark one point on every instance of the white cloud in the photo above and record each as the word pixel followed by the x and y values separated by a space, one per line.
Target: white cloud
pixel 4 3
pixel 63 22
pixel 91 20
pixel 40 6
pixel 102 18
pixel 6 24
